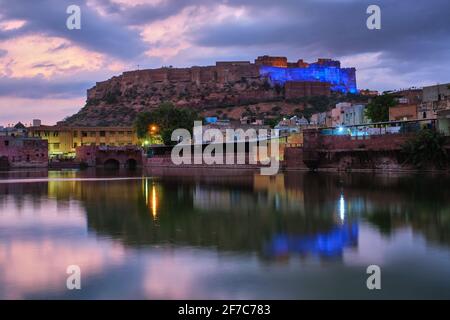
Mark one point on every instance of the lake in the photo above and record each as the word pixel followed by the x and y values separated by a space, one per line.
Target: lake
pixel 212 234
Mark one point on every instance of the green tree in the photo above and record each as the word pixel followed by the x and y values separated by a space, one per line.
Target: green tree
pixel 426 148
pixel 378 109
pixel 165 119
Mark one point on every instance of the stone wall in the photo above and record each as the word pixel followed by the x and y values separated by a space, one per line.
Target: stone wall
pixel 335 152
pixel 403 112
pixel 101 156
pixel 294 89
pixel 17 152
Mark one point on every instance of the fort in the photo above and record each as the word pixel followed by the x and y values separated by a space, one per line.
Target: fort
pixel 275 69
pixel 225 84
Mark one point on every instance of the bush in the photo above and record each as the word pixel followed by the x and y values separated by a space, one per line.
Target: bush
pixel 426 149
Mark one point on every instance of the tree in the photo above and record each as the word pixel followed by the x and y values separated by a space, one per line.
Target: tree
pixel 378 109
pixel 165 119
pixel 426 148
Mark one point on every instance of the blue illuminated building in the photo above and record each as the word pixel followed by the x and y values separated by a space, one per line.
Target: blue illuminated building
pixel 341 79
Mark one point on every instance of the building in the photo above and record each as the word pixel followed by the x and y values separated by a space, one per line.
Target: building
pixel 354 115
pixel 19 130
pixel 63 140
pixel 321 119
pixel 280 71
pixel 344 114
pixel 291 126
pixel 22 152
pixel 409 96
pixel 241 132
pixel 435 99
pixel 443 123
pixel 337 114
pixel 403 112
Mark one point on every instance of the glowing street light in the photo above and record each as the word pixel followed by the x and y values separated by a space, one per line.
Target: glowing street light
pixel 153 128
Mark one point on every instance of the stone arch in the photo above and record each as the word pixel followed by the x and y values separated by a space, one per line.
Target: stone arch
pixel 112 164
pixel 4 162
pixel 131 164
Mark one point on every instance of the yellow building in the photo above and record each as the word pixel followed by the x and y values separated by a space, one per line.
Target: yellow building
pixel 62 141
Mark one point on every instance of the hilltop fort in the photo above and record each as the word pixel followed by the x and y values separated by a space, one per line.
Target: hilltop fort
pixel 227 84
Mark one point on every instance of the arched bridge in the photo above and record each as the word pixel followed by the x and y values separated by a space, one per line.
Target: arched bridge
pixel 110 157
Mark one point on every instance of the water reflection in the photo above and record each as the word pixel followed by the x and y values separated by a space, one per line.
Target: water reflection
pixel 222 231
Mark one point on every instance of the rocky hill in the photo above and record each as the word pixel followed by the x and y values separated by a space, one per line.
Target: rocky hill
pixel 227 85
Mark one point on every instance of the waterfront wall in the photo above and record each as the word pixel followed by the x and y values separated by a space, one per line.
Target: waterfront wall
pixel 344 152
pixel 120 157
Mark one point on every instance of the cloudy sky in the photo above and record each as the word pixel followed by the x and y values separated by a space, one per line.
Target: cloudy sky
pixel 45 68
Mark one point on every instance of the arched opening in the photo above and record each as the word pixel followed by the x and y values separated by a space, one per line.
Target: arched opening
pixel 4 163
pixel 112 164
pixel 131 164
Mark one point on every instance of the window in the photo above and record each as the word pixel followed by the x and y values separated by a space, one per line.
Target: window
pixel 424 115
pixel 121 133
pixel 56 133
pixel 56 146
pixel 6 143
pixel 102 133
pixel 129 133
pixel 112 133
pixel 75 134
pixel 92 133
pixel 83 133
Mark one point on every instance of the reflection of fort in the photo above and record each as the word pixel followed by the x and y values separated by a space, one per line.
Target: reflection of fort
pixel 328 244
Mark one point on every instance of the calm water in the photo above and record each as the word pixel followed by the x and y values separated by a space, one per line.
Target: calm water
pixel 210 235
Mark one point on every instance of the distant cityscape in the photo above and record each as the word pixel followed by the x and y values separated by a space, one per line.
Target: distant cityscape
pixel 37 145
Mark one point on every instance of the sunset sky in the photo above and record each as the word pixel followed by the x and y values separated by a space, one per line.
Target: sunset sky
pixel 45 69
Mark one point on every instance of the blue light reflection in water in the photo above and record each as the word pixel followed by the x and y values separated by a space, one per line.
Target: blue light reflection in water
pixel 328 244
